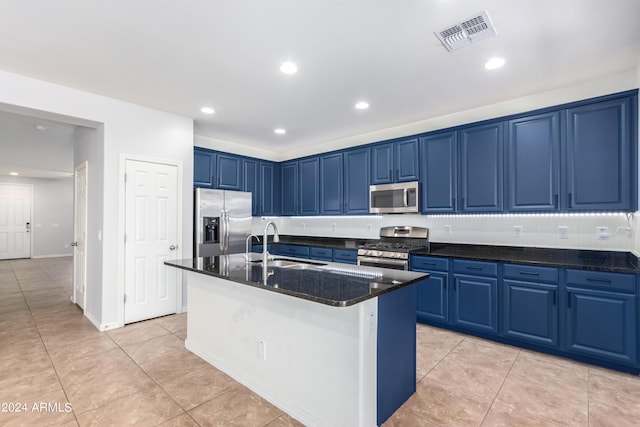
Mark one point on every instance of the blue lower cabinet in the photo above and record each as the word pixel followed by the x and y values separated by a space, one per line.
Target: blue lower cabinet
pixel 433 293
pixel 322 254
pixel 297 251
pixel 530 312
pixel 475 303
pixel 347 256
pixel 600 310
pixel 433 298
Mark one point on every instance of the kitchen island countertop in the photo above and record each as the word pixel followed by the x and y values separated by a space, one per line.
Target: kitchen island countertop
pixel 329 283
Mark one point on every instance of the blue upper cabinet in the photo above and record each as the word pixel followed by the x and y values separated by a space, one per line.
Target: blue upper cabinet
pixel 601 155
pixel 289 188
pixel 250 168
pixel 229 172
pixel 481 168
pixel 269 188
pixel 395 162
pixel 407 160
pixel 331 184
pixel 533 163
pixel 439 172
pixel 204 162
pixel 309 191
pixel 356 181
pixel 382 165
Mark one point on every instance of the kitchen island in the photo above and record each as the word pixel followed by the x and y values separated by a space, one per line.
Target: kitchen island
pixel 331 344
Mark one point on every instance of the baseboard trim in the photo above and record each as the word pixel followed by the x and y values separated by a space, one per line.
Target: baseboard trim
pixel 52 256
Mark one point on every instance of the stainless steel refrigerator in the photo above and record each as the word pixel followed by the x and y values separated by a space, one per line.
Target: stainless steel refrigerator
pixel 222 222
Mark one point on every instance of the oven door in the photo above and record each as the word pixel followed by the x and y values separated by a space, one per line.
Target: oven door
pixel 394 264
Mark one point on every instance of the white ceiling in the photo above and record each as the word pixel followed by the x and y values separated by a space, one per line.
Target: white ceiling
pixel 178 56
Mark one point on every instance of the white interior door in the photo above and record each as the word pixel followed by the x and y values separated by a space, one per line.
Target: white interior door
pixel 151 224
pixel 15 221
pixel 80 234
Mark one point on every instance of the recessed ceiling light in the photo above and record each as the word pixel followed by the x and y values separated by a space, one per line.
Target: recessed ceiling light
pixel 494 63
pixel 13 173
pixel 280 131
pixel 207 110
pixel 288 67
pixel 362 105
pixel 41 128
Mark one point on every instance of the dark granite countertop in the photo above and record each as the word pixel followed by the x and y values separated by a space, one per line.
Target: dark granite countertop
pixel 329 283
pixel 619 262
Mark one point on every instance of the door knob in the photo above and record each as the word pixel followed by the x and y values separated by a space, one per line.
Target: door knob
pixel 173 247
pixel 74 243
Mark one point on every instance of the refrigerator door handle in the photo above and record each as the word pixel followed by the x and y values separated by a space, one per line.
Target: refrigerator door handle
pixel 226 231
pixel 223 231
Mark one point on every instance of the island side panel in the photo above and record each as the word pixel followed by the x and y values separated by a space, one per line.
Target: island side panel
pixel 396 350
pixel 320 362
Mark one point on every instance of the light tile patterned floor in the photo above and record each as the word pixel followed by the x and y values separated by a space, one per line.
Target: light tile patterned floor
pixel 142 374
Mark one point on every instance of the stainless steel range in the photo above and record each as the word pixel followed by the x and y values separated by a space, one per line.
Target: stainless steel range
pixel 394 247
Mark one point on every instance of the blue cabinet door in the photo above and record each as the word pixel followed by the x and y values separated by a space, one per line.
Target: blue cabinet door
pixel 602 324
pixel 250 178
pixel 289 193
pixel 601 155
pixel 308 186
pixel 530 312
pixel 382 164
pixel 481 168
pixel 433 297
pixel 533 163
pixel 269 188
pixel 229 172
pixel 439 172
pixel 407 160
pixel 395 162
pixel 331 185
pixel 204 162
pixel 475 303
pixel 356 181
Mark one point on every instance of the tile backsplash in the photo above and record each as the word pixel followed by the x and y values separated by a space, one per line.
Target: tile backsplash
pixel 606 231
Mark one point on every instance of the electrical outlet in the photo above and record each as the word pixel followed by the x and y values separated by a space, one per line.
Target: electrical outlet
pixel 602 233
pixel 262 350
pixel 518 230
pixel 563 232
pixel 447 229
pixel 624 230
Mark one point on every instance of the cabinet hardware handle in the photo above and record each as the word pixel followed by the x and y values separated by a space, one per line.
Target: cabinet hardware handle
pixel 455 284
pixel 462 204
pixel 554 297
pixel 555 201
pixel 390 174
pixel 569 299
pixel 453 203
pixel 473 268
pixel 397 174
pixel 570 205
pixel 529 273
pixel 429 263
pixel 444 284
pixel 596 279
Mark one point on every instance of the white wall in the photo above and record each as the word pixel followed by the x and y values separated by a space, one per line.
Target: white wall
pixel 52 215
pixel 130 129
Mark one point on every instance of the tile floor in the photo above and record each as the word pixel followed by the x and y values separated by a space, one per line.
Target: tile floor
pixel 142 375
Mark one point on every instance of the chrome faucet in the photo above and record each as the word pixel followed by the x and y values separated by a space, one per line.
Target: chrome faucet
pixel 276 239
pixel 247 258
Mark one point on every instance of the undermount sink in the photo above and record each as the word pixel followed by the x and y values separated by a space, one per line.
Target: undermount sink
pixel 289 263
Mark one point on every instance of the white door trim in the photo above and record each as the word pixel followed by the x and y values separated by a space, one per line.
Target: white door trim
pixel 122 225
pixel 84 165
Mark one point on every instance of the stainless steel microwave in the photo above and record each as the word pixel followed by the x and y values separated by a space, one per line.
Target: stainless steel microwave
pixel 394 198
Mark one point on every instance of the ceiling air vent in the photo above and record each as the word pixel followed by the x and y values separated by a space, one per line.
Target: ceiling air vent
pixel 475 28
